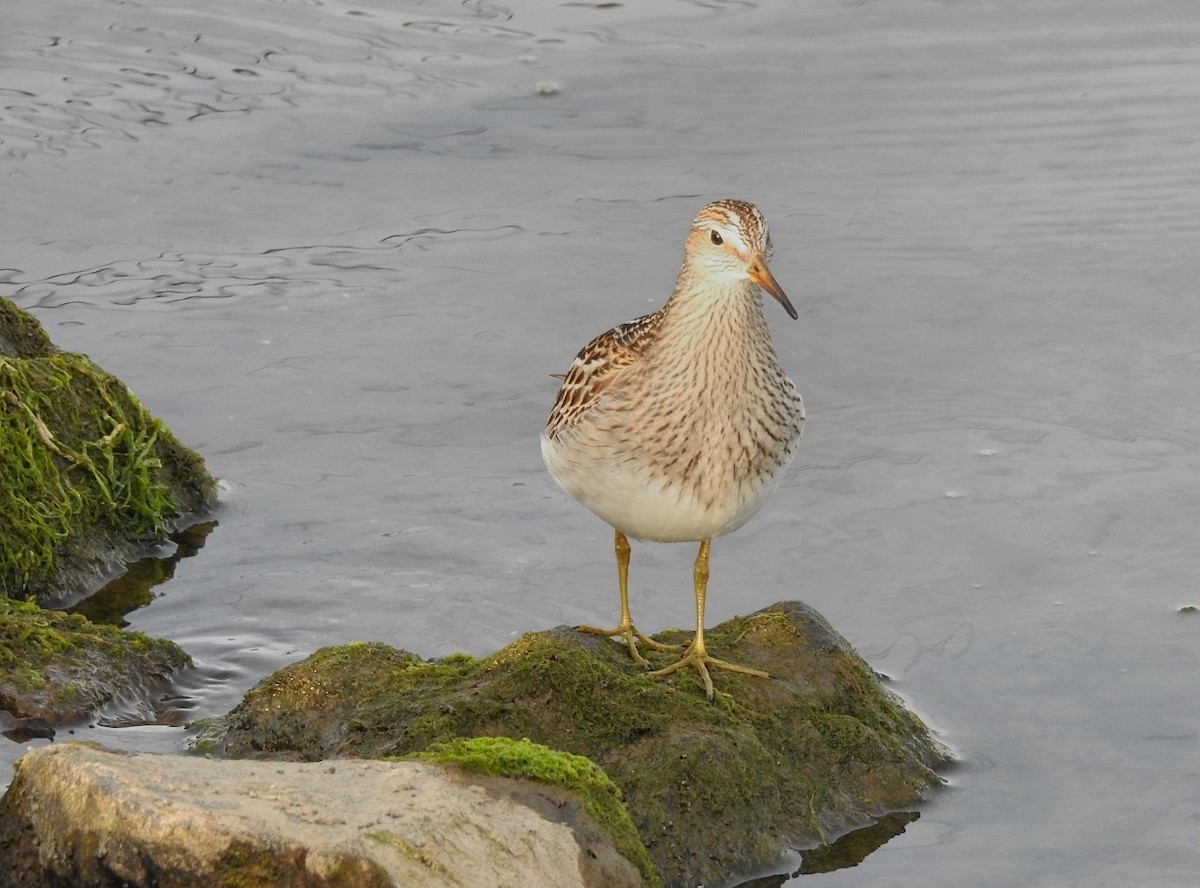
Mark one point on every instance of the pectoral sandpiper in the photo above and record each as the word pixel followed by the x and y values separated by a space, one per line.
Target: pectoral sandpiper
pixel 675 426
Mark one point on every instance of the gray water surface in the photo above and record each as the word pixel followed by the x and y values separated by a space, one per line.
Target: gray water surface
pixel 339 248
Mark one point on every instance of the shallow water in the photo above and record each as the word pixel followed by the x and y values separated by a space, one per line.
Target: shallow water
pixel 338 248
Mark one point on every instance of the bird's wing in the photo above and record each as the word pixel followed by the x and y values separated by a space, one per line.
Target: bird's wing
pixel 596 367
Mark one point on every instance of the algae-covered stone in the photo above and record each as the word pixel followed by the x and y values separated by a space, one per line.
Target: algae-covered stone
pixel 59 668
pixel 21 336
pixel 87 477
pixel 579 776
pixel 714 789
pixel 87 817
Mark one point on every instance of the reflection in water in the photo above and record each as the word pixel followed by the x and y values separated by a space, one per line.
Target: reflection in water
pixel 850 850
pixel 22 730
pixel 126 593
pixel 853 848
pixel 168 703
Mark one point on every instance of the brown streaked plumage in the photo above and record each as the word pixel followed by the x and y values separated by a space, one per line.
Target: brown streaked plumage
pixel 676 425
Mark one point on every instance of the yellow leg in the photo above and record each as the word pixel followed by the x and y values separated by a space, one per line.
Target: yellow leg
pixel 625 629
pixel 696 655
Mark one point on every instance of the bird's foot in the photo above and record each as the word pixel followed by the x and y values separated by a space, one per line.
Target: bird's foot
pixel 700 661
pixel 632 636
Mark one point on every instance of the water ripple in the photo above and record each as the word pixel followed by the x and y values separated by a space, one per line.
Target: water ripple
pixel 94 85
pixel 176 276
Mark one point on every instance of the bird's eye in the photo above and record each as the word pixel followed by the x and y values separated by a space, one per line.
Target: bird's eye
pixel 715 237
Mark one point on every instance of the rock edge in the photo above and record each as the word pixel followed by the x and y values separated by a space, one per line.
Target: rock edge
pixel 87 817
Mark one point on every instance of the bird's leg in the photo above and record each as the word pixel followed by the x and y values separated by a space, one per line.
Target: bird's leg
pixel 625 629
pixel 696 655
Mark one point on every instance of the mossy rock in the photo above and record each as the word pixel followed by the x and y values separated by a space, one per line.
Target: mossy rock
pixel 88 478
pixel 21 336
pixel 578 775
pixel 82 816
pixel 59 668
pixel 714 789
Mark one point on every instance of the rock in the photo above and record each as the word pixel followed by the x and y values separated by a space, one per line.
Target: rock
pixel 21 336
pixel 713 789
pixel 82 816
pixel 58 668
pixel 88 478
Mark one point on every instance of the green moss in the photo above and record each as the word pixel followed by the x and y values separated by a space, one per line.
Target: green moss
pixel 358 872
pixel 205 736
pixel 409 851
pixel 82 464
pixel 72 691
pixel 61 666
pixel 713 788
pixel 244 865
pixel 20 334
pixel 67 467
pixel 522 759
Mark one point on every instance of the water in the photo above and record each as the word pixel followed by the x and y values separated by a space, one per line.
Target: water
pixel 339 249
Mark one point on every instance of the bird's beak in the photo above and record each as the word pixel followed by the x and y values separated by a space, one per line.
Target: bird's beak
pixel 761 275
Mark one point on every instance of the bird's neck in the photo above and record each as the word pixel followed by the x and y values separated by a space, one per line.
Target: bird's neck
pixel 703 313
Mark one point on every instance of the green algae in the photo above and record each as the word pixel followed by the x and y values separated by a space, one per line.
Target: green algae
pixel 205 736
pixel 580 776
pixel 247 865
pixel 411 852
pixel 714 789
pixel 20 333
pixel 61 667
pixel 85 470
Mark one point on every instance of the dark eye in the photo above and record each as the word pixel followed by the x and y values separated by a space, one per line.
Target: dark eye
pixel 716 238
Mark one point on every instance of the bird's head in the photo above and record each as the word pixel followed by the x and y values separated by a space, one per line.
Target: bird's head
pixel 729 241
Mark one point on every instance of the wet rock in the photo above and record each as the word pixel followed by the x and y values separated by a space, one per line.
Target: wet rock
pixel 58 668
pixel 88 478
pixel 79 815
pixel 714 789
pixel 21 336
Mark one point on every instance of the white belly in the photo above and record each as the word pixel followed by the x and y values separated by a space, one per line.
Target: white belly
pixel 642 504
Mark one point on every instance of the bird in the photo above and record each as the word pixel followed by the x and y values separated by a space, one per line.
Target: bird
pixel 676 426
